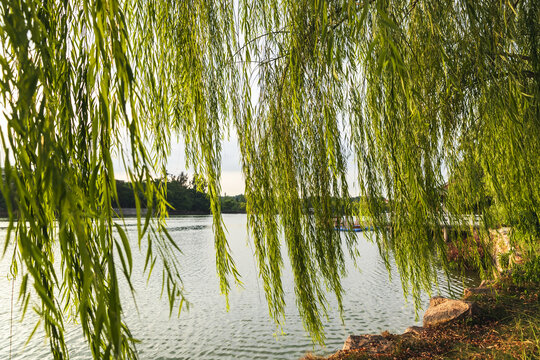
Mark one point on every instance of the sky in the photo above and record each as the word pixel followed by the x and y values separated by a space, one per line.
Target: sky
pixel 232 180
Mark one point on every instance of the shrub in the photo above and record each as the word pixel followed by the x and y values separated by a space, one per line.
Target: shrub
pixel 528 272
pixel 504 260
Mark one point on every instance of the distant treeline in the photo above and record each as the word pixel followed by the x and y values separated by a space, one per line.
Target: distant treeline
pixel 185 196
pixel 233 204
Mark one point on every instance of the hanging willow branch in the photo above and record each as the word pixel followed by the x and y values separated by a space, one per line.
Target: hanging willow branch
pixel 421 93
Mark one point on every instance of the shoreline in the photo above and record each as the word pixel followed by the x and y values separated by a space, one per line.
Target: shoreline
pixel 503 321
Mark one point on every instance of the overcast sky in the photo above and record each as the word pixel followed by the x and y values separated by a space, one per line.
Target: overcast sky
pixel 232 181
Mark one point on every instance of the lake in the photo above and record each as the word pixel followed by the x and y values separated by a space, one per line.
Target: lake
pixel 372 304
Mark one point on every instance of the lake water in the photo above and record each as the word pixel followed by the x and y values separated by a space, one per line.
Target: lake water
pixel 372 304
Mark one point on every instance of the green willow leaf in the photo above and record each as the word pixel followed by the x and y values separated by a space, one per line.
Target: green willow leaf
pixel 433 107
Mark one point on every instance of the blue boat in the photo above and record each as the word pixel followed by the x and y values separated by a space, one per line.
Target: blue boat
pixel 355 228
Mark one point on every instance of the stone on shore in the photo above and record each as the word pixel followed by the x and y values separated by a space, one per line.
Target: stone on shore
pixel 416 330
pixel 485 288
pixel 442 311
pixel 373 344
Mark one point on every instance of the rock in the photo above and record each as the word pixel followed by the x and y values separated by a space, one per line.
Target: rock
pixel 442 310
pixel 434 301
pixel 485 288
pixel 416 330
pixel 467 293
pixel 373 344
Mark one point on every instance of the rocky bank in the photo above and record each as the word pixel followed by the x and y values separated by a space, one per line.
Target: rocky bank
pixel 477 321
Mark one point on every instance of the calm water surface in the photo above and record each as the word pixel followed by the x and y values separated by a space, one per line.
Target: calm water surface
pixel 372 304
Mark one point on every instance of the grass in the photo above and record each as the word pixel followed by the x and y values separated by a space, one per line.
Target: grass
pixel 507 326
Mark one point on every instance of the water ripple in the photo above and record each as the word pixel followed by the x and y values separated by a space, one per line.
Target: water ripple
pixel 208 331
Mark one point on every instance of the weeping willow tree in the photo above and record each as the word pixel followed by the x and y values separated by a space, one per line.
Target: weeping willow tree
pixel 415 93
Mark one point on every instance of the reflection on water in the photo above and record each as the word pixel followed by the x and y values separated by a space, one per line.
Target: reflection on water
pixel 372 303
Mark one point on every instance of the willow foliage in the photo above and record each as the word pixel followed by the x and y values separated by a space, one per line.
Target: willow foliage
pixel 417 93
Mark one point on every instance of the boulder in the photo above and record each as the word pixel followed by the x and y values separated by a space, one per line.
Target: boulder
pixel 467 293
pixel 442 311
pixel 415 330
pixel 373 344
pixel 483 289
